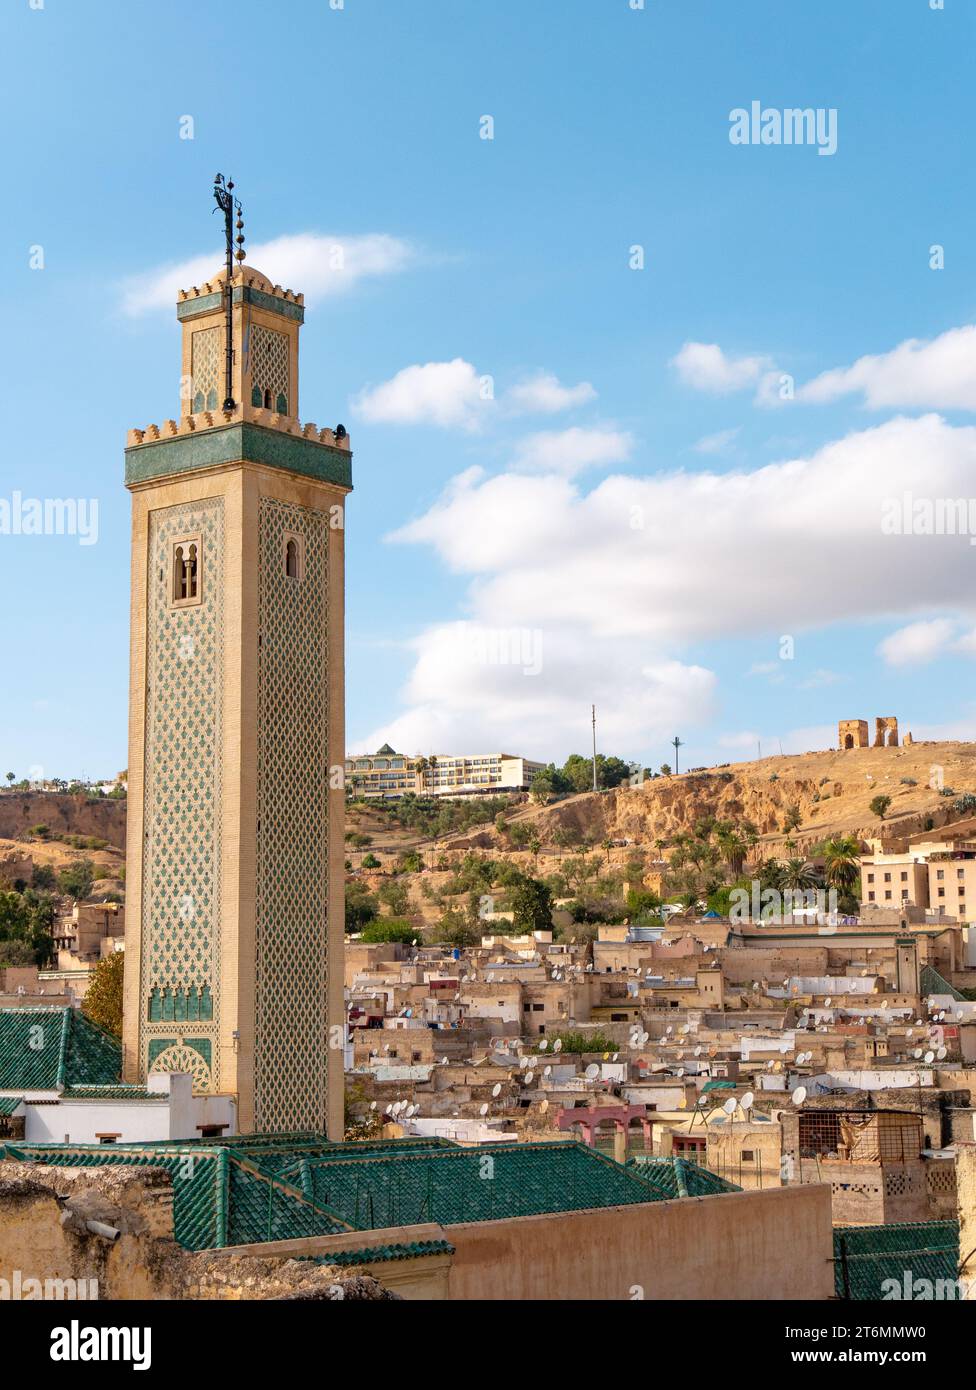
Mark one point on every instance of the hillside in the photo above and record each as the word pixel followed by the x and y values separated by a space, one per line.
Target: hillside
pixel 831 790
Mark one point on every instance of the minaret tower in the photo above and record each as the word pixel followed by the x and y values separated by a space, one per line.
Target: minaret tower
pixel 234 920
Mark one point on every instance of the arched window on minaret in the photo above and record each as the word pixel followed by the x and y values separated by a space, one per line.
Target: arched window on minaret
pixel 186 570
pixel 291 559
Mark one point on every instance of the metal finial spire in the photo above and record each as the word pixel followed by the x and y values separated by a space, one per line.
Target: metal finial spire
pixel 227 204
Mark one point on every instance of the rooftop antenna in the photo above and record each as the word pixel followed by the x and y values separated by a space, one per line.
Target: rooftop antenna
pixel 223 192
pixel 593 716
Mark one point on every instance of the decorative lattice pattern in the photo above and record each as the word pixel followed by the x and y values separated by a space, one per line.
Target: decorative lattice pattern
pixel 207 346
pixel 178 1057
pixel 269 368
pixel 291 1034
pixel 184 717
pixel 865 1257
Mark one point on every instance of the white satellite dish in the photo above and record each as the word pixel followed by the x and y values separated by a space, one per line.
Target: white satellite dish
pixel 388 1110
pixel 615 1056
pixel 544 1106
pixel 827 1002
pixel 592 1071
pixel 483 1110
pixel 698 1051
pixel 942 1053
pixel 929 1058
pixel 747 1100
pixel 917 1053
pixel 496 1090
pixel 730 1105
pixel 547 1071
pixel 799 1095
pixel 557 1045
pixel 679 1071
pixel 686 1027
pixel 523 1063
pixel 543 1044
pixel 529 1077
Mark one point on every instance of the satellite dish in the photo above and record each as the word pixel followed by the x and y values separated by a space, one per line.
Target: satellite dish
pixel 544 1106
pixel 547 1071
pixel 529 1077
pixel 592 1071
pixel 680 1071
pixel 443 1062
pixel 799 1095
pixel 412 1110
pixel 557 1045
pixel 496 1090
pixel 747 1100
pixel 523 1063
pixel 686 1027
pixel 483 1110
pixel 730 1106
pixel 372 1105
pixel 543 1044
pixel 884 1003
pixel 827 1002
pixel 616 1055
pixel 388 1110
pixel 929 1058
pixel 942 1053
pixel 698 1052
pixel 917 1053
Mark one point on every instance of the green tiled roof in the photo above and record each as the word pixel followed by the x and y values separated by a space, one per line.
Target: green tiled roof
pixel 376 1254
pixel 931 982
pixel 42 1049
pixel 8 1104
pixel 247 1190
pixel 679 1177
pixel 111 1093
pixel 865 1256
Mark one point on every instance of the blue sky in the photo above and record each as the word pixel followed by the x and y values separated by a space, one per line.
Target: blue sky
pixel 633 516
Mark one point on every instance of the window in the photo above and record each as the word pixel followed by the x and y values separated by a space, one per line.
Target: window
pixel 186 571
pixel 887 878
pixel 870 878
pixel 904 878
pixel 748 1155
pixel 940 873
pixel 293 564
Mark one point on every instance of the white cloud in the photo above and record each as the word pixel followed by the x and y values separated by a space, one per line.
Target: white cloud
pixel 544 394
pixel 308 263
pixel 706 367
pixel 570 451
pixel 620 579
pixel 937 374
pixel 449 394
pixel 716 443
pixel 918 643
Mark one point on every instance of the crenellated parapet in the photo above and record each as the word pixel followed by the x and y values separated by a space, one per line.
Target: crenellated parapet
pixel 215 419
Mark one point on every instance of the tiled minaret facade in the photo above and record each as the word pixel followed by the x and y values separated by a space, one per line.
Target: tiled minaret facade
pixel 234 911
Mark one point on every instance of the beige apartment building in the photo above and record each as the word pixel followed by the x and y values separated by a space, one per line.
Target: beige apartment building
pixel 936 870
pixel 387 773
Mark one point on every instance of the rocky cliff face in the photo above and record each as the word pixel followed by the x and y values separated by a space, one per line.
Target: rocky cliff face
pixel 103 817
pixel 831 791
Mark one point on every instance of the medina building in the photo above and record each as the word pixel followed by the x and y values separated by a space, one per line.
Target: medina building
pixel 234 931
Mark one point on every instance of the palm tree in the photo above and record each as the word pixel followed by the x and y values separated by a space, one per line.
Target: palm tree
pixel 842 862
pixel 799 874
pixel 733 849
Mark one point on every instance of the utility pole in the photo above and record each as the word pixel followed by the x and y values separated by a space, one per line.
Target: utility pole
pixel 593 713
pixel 676 744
